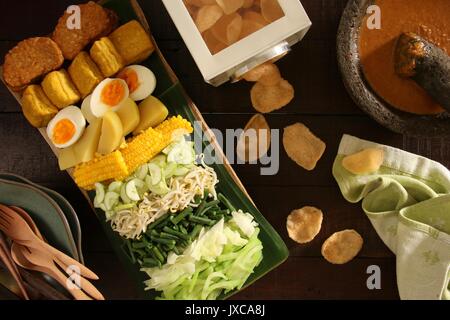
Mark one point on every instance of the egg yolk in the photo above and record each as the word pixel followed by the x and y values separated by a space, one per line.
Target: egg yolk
pixel 131 78
pixel 113 93
pixel 63 131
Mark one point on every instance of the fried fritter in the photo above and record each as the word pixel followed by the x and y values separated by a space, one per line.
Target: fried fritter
pixel 36 107
pixel 132 42
pixel 29 60
pixel 95 23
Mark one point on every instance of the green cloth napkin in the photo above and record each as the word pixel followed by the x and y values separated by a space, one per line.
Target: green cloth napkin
pixel 408 202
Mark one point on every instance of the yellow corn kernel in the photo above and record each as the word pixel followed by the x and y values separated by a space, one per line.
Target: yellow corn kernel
pixel 174 127
pixel 142 148
pixel 108 167
pixel 151 142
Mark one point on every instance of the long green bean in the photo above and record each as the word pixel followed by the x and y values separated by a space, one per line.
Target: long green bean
pixel 226 202
pixel 182 215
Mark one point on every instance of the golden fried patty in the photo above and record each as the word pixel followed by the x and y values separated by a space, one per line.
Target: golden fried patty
pixel 31 59
pixel 95 23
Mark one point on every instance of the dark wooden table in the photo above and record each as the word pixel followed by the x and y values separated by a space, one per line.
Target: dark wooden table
pixel 321 103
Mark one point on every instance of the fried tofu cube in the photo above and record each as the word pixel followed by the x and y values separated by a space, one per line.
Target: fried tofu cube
pixel 132 42
pixel 60 89
pixel 36 107
pixel 85 73
pixel 105 55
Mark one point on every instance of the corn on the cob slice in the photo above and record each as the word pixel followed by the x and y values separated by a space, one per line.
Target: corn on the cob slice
pixel 142 148
pixel 107 167
pixel 148 144
pixel 173 127
pixel 139 150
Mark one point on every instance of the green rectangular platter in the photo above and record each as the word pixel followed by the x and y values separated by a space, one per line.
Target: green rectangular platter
pixel 172 94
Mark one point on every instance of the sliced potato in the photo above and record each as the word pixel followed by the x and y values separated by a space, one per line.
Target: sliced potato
pixel 152 112
pixel 129 116
pixel 112 133
pixel 84 149
pixel 67 158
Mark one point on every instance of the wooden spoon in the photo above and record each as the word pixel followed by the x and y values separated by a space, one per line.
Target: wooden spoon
pixel 85 284
pixel 5 256
pixel 35 229
pixel 29 220
pixel 25 259
pixel 19 230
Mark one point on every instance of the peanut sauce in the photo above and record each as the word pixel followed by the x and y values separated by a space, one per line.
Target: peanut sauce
pixel 427 18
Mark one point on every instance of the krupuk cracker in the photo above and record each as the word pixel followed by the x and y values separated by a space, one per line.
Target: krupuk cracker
pixel 342 246
pixel 255 140
pixel 304 224
pixel 266 99
pixel 364 162
pixel 302 146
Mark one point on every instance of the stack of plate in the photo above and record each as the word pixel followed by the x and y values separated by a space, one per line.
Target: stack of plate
pixel 54 216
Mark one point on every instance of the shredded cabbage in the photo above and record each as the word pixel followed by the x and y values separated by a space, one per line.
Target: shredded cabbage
pixel 244 221
pixel 219 261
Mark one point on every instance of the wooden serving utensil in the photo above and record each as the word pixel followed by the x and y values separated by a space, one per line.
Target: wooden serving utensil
pixel 35 229
pixel 5 256
pixel 29 220
pixel 18 229
pixel 31 261
pixel 42 257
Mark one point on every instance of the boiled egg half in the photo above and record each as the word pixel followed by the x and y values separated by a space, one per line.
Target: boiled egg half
pixel 141 81
pixel 109 95
pixel 86 109
pixel 66 127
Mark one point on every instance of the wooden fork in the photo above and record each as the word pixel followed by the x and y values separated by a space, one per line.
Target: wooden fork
pixel 18 229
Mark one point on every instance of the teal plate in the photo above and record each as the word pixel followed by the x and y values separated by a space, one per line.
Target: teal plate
pixel 170 91
pixel 63 204
pixel 45 212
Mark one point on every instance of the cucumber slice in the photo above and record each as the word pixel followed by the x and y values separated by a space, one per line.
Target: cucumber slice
pixel 109 215
pixel 131 190
pixel 161 188
pixel 115 187
pixel 159 160
pixel 141 187
pixel 142 172
pixel 99 195
pixel 181 171
pixel 148 182
pixel 155 173
pixel 181 154
pixel 111 200
pixel 123 194
pixel 170 169
pixel 124 207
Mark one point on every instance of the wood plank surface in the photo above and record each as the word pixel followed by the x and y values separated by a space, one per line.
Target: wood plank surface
pixel 321 103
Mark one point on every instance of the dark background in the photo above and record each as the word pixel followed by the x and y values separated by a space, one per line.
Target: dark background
pixel 321 103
